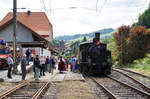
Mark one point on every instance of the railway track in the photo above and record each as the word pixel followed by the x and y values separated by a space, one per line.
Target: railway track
pixel 121 76
pixel 145 80
pixel 115 89
pixel 98 90
pixel 26 90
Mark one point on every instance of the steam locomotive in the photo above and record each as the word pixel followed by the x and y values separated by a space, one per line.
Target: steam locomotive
pixel 94 58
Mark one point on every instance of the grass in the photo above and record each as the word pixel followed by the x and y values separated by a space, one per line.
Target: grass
pixel 140 68
pixel 141 65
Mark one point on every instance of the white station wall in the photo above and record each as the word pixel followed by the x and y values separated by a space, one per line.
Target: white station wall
pixel 38 51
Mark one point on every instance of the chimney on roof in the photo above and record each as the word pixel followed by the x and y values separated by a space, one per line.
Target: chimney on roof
pixel 29 12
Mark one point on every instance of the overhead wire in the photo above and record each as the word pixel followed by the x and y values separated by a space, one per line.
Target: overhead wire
pixel 98 10
pixel 102 6
pixel 48 11
pixel 97 5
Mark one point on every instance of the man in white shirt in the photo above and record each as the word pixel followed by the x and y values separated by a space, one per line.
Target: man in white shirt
pixel 42 63
pixel 10 65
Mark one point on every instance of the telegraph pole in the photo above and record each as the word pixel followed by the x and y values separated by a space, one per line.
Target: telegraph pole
pixel 14 34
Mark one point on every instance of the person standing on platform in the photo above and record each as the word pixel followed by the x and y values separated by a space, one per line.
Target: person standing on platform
pixel 10 65
pixel 42 63
pixel 53 64
pixel 61 65
pixel 28 56
pixel 76 65
pixel 66 62
pixel 23 67
pixel 50 64
pixel 37 67
pixel 47 63
pixel 73 63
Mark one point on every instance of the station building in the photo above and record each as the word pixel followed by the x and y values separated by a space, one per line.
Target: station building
pixel 34 31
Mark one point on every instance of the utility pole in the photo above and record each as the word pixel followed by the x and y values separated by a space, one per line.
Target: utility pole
pixel 14 34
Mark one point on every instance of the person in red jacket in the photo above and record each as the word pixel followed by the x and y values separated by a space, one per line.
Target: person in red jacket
pixel 61 65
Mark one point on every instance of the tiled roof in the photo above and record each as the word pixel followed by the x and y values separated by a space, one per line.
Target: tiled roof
pixel 36 21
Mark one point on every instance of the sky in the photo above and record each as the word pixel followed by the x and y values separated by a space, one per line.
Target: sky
pixel 70 17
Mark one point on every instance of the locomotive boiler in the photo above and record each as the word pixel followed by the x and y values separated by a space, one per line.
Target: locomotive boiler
pixel 94 58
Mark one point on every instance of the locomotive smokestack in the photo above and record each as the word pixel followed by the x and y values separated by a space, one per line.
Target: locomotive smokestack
pixel 97 37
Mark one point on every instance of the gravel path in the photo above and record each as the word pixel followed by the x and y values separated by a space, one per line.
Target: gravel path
pixel 69 90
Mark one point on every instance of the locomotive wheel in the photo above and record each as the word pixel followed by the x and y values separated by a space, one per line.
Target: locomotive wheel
pixel 81 68
pixel 86 71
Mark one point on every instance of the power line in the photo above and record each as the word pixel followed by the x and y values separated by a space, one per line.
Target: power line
pixel 102 6
pixel 47 10
pixel 97 5
pixel 44 6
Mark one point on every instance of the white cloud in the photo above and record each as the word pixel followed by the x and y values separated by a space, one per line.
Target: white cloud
pixel 80 20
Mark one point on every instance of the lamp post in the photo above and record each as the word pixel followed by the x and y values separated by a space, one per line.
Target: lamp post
pixel 14 34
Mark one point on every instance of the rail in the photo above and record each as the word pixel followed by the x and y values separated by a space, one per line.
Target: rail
pixel 145 87
pixel 144 93
pixel 134 72
pixel 40 91
pixel 12 90
pixel 105 89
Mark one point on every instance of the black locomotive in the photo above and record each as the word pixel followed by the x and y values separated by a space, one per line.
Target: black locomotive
pixel 94 58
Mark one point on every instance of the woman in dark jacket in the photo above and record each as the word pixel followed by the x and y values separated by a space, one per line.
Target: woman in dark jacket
pixel 23 67
pixel 36 67
pixel 61 65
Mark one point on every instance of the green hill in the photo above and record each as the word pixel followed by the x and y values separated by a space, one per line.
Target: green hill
pixel 105 33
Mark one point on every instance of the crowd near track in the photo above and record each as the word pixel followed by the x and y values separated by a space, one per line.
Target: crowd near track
pixel 26 90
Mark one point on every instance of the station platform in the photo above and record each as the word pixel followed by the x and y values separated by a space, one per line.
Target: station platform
pixel 55 77
pixel 15 77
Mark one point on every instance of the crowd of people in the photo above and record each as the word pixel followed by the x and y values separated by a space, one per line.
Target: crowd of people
pixel 42 63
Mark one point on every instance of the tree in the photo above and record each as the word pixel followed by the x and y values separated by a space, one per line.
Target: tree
pixel 138 43
pixel 131 43
pixel 121 38
pixel 144 19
